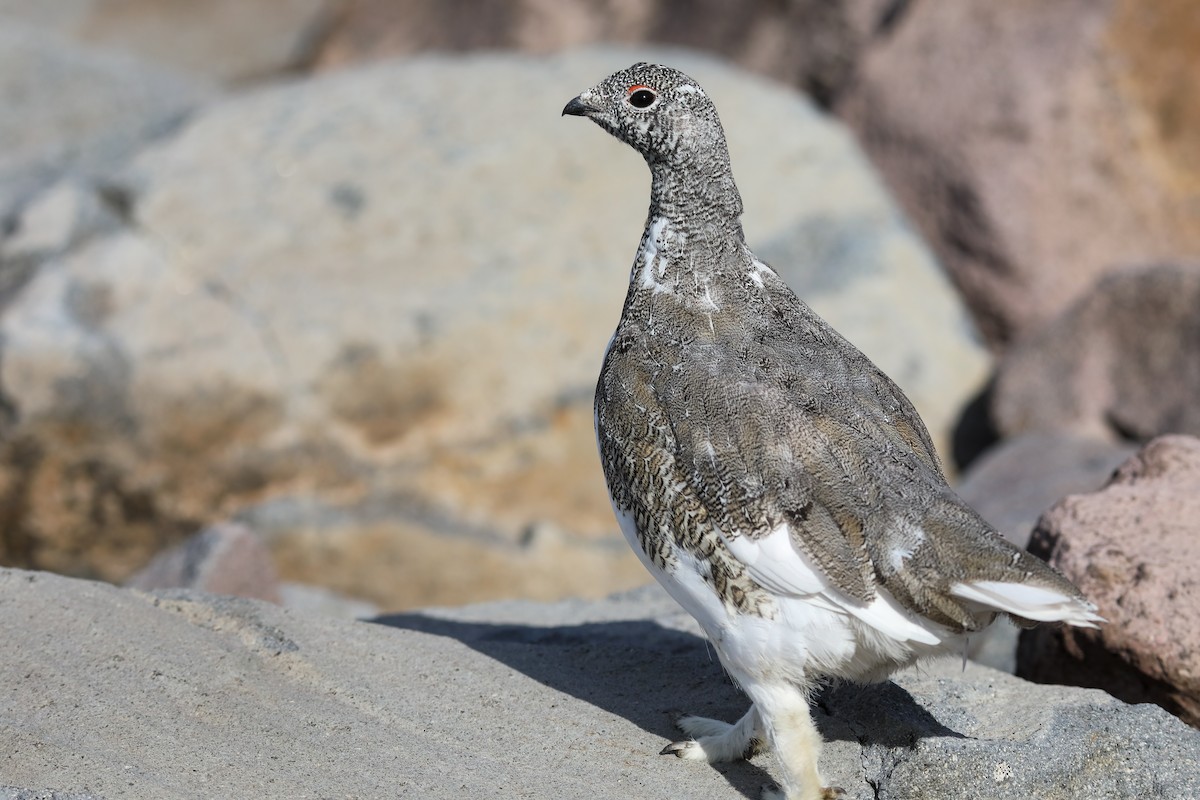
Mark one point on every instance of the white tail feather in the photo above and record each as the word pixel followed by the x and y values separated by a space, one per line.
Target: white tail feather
pixel 1029 602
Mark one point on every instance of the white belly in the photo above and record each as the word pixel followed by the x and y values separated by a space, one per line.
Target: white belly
pixel 686 583
pixel 803 638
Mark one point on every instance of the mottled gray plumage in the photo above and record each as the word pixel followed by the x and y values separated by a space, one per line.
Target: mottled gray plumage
pixel 727 410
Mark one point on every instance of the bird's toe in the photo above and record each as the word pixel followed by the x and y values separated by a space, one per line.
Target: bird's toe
pixel 689 749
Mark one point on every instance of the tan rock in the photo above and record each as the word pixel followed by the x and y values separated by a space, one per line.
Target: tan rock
pixel 1132 548
pixel 1028 188
pixel 365 314
pixel 70 109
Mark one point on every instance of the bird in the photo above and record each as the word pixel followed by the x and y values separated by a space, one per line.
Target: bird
pixel 780 487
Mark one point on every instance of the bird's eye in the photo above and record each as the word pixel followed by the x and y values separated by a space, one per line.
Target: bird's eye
pixel 641 96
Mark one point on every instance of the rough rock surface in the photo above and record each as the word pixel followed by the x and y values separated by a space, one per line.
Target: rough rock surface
pixel 1132 548
pixel 226 40
pixel 223 559
pixel 1030 189
pixel 15 793
pixel 123 694
pixel 364 313
pixel 1124 361
pixel 1012 485
pixel 71 108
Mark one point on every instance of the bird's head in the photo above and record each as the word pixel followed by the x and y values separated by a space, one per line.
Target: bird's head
pixel 656 110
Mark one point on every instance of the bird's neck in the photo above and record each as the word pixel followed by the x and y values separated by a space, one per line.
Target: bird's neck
pixel 693 235
pixel 699 196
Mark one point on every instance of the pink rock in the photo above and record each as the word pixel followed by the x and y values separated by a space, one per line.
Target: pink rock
pixel 224 559
pixel 1132 548
pixel 1038 146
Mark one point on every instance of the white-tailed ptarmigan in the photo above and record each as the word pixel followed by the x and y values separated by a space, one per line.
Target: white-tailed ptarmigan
pixel 778 485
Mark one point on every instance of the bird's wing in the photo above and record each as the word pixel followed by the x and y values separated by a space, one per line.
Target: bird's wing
pixel 814 503
pixel 777 482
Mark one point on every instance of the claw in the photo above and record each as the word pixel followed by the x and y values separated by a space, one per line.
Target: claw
pixel 678 749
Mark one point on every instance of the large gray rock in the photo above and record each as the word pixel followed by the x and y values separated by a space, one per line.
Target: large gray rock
pixel 118 693
pixel 71 108
pixel 16 793
pixel 365 314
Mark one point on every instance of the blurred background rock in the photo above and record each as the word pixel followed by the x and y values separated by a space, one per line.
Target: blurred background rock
pixel 334 271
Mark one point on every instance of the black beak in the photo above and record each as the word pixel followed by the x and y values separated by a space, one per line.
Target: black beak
pixel 577 108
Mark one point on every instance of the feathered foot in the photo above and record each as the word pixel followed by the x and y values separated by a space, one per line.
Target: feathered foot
pixel 715 741
pixel 794 737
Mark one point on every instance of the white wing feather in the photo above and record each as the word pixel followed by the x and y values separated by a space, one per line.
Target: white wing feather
pixel 775 563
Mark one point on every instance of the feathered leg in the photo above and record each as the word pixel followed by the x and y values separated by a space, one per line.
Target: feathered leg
pixel 715 741
pixel 794 737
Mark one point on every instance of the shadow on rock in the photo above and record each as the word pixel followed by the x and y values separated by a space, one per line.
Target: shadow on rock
pixel 876 715
pixel 648 674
